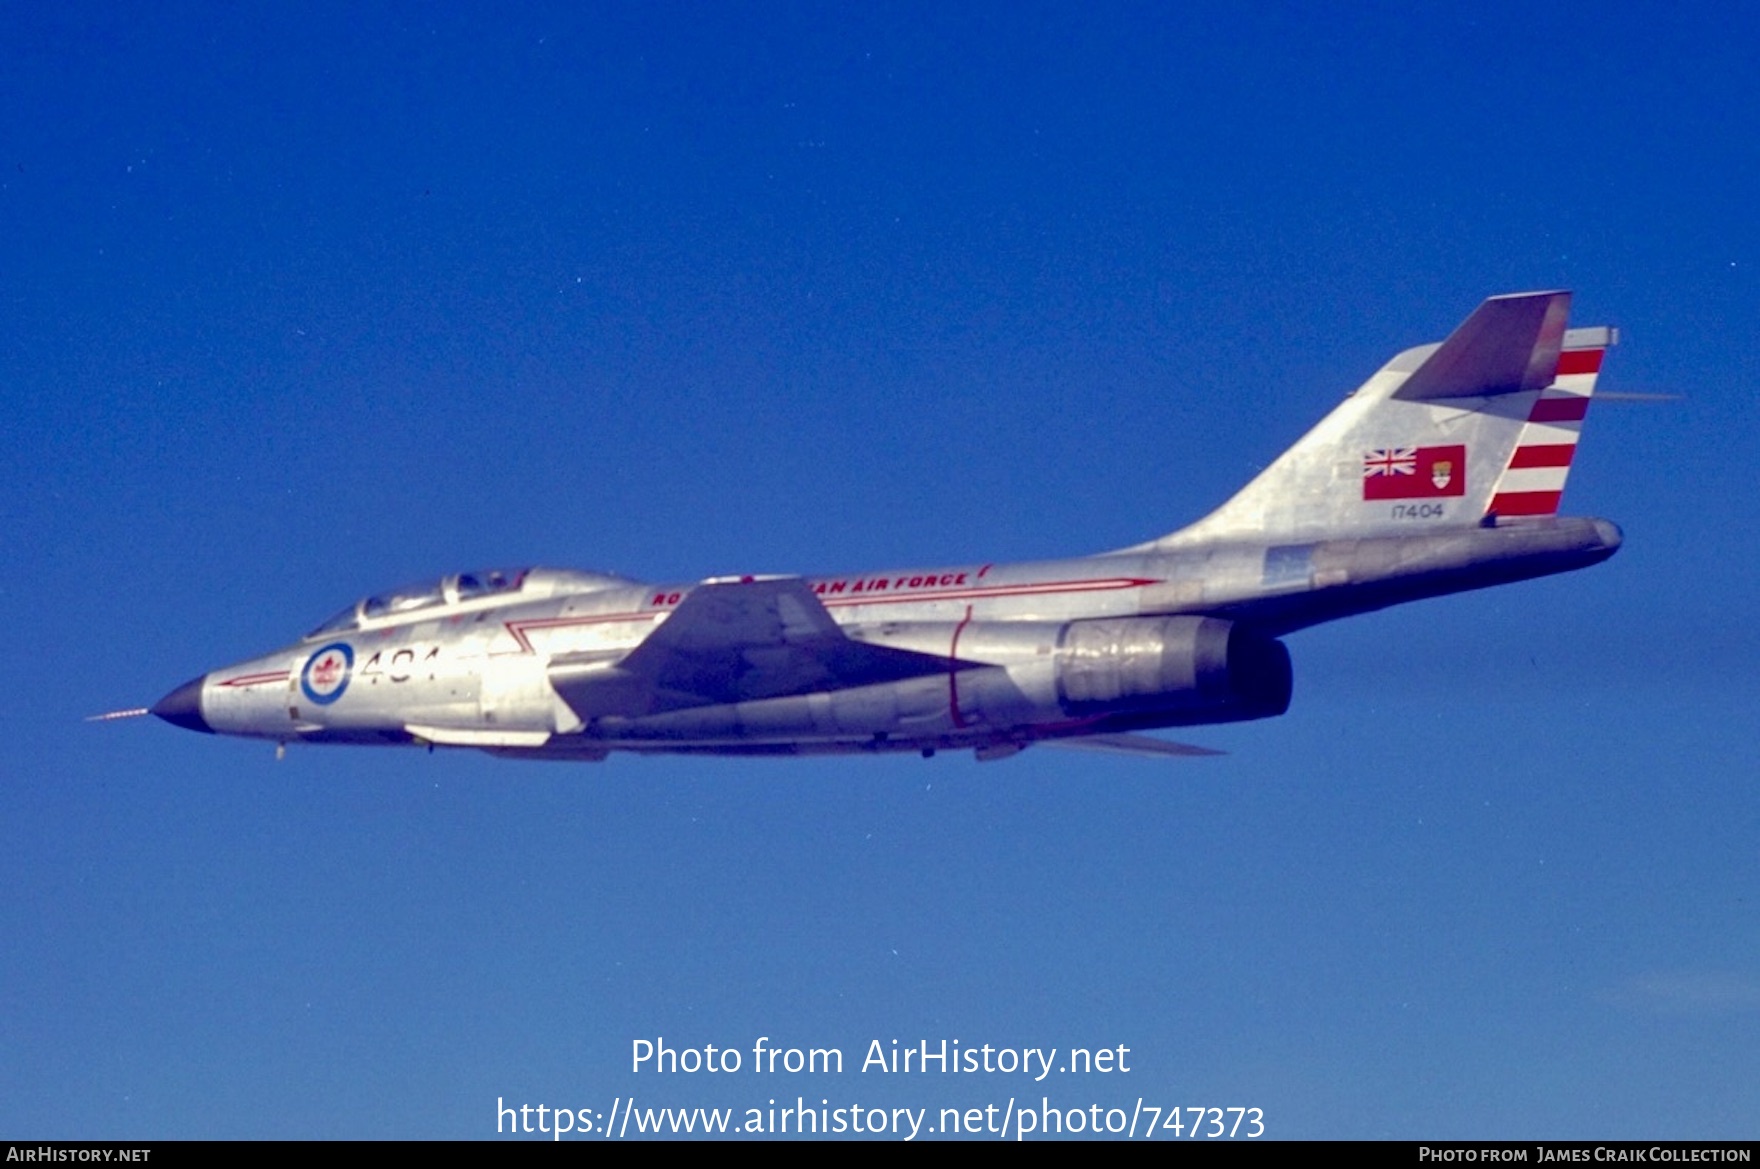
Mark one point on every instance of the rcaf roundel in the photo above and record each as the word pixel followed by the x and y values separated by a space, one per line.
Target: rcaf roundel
pixel 1422 472
pixel 326 673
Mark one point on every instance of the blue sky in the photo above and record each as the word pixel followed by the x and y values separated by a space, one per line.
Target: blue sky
pixel 303 304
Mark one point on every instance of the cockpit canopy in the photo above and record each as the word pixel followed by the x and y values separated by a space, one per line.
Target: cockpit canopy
pixel 462 588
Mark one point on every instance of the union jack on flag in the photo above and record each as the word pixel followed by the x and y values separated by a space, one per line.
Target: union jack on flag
pixel 1400 461
pixel 1415 472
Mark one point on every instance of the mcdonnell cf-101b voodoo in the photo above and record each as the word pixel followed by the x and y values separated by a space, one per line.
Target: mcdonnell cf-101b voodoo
pixel 1442 473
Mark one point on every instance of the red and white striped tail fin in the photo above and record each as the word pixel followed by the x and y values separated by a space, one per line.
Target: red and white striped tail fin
pixel 1533 482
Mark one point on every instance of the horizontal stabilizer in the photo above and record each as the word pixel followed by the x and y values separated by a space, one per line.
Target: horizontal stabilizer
pixel 1509 344
pixel 1127 744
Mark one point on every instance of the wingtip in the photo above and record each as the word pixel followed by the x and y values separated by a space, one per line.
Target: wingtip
pixel 1538 292
pixel 1132 744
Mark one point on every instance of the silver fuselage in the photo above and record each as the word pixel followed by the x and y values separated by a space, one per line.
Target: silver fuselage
pixel 1443 472
pixel 493 673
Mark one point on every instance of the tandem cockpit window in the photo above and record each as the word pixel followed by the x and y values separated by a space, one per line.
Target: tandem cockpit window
pixel 488 581
pixel 451 590
pixel 403 600
pixel 348 619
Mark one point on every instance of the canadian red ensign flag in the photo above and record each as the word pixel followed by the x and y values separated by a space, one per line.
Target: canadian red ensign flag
pixel 1421 472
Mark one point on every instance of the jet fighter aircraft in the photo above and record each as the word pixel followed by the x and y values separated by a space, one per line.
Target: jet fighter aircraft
pixel 1442 473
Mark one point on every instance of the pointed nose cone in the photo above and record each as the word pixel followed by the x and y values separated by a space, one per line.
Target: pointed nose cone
pixel 183 707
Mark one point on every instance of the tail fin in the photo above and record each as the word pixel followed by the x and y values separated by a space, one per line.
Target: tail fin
pixel 1479 427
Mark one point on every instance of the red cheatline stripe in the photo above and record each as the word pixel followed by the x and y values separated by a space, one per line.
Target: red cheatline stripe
pixel 1543 455
pixel 255 679
pixel 1569 409
pixel 598 619
pixel 959 720
pixel 988 593
pixel 1579 361
pixel 878 597
pixel 1526 502
pixel 518 628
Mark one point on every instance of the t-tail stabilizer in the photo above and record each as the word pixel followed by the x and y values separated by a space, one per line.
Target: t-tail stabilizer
pixel 1476 429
